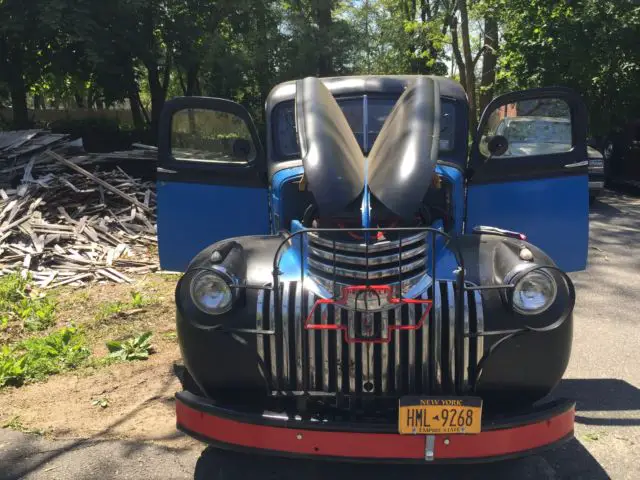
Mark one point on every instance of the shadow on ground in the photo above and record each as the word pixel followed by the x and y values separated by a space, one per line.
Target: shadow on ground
pixel 32 456
pixel 570 460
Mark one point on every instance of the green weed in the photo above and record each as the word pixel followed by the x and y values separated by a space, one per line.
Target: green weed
pixel 102 402
pixel 36 358
pixel 110 309
pixel 134 348
pixel 19 303
pixel 15 423
pixel 138 300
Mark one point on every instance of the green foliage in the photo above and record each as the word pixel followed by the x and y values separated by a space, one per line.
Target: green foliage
pixel 36 358
pixel 101 402
pixel 591 46
pixel 84 53
pixel 15 423
pixel 134 348
pixel 138 300
pixel 110 309
pixel 19 303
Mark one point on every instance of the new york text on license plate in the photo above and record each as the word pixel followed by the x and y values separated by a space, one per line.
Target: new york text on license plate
pixel 439 415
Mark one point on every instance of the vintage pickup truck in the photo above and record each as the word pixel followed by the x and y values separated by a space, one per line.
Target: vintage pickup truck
pixel 369 288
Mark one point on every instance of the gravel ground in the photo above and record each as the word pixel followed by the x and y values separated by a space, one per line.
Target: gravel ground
pixel 603 376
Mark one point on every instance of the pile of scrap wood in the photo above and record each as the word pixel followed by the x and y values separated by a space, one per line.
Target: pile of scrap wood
pixel 26 148
pixel 66 221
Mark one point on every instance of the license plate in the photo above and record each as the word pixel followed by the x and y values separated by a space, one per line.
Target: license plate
pixel 439 415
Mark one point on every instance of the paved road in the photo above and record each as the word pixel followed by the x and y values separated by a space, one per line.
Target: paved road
pixel 603 376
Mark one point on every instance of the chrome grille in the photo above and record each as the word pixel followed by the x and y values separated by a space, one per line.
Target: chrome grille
pixel 386 262
pixel 419 361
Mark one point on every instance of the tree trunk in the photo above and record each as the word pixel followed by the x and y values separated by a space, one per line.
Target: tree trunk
pixel 192 87
pixel 136 112
pixel 489 61
pixel 323 14
pixel 19 103
pixel 470 85
pixel 455 43
pixel 156 89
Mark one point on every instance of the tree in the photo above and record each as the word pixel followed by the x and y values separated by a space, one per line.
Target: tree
pixel 591 46
pixel 27 34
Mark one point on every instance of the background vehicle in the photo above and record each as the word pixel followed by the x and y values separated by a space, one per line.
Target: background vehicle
pixel 354 290
pixel 622 155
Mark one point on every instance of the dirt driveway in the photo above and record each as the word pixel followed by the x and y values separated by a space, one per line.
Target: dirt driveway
pixel 603 376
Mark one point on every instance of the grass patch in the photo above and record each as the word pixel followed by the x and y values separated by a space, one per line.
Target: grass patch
pixel 19 303
pixel 134 348
pixel 15 423
pixel 138 300
pixel 36 358
pixel 110 309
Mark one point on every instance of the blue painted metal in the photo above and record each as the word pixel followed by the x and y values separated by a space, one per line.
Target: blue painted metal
pixel 457 195
pixel 552 212
pixel 277 181
pixel 192 216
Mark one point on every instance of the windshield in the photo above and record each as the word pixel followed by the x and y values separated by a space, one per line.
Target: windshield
pixel 536 131
pixel 377 110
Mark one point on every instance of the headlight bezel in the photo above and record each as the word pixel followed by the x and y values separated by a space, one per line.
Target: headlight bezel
pixel 220 275
pixel 523 273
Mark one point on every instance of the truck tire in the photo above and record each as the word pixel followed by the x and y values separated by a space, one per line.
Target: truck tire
pixel 212 465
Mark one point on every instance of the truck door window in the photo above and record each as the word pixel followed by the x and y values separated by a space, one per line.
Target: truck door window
pixel 210 136
pixel 531 127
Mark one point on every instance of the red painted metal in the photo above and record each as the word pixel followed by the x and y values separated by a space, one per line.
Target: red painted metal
pixel 381 446
pixel 379 290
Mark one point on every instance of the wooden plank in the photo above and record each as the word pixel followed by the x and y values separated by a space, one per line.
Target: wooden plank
pixel 99 181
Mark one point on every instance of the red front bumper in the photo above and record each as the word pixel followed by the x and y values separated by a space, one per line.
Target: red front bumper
pixel 501 438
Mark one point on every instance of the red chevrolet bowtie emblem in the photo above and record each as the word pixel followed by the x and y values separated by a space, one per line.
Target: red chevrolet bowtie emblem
pixel 350 296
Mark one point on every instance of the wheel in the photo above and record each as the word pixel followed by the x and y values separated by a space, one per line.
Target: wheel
pixel 212 465
pixel 217 464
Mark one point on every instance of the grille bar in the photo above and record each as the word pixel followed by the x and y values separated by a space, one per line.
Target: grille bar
pixel 420 362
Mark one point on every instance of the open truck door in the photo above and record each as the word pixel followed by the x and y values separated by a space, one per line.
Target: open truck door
pixel 528 172
pixel 212 181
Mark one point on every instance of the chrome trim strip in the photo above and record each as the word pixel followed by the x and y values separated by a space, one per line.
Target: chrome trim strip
pixel 362 274
pixel 425 346
pixel 451 298
pixel 411 370
pixel 351 368
pixel 324 339
pixel 360 247
pixel 385 352
pixel 437 334
pixel 583 163
pixel 397 347
pixel 370 377
pixel 337 318
pixel 285 335
pixel 260 326
pixel 406 255
pixel 272 341
pixel 298 332
pixel 312 346
pixel 465 376
pixel 412 287
pixel 479 323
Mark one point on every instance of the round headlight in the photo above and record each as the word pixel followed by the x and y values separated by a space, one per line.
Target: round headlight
pixel 534 292
pixel 211 293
